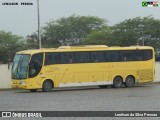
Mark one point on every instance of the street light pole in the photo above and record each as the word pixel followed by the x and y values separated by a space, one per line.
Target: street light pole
pixel 39 32
pixel 142 26
pixel 142 38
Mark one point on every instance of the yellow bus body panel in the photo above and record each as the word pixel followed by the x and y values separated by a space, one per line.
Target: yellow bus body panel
pixel 86 74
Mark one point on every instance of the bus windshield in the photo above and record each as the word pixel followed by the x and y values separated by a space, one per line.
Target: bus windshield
pixel 20 66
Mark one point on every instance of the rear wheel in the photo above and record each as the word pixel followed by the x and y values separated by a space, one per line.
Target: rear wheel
pixel 129 82
pixel 117 82
pixel 47 86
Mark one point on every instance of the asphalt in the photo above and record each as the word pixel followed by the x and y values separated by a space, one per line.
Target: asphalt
pixel 143 97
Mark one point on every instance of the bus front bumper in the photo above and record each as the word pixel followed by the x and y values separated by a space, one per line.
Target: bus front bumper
pixel 19 84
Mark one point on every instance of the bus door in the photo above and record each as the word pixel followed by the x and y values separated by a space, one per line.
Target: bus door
pixel 35 66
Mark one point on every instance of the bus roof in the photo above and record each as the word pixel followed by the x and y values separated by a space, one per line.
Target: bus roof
pixel 83 48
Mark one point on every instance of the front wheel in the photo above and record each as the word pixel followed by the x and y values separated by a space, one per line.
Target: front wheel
pixel 129 82
pixel 117 82
pixel 47 86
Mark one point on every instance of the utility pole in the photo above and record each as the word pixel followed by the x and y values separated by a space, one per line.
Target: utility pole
pixel 142 38
pixel 142 26
pixel 39 32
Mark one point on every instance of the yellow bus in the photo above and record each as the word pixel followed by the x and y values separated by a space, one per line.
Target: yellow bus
pixel 70 66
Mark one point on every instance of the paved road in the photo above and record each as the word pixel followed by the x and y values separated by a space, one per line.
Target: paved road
pixel 138 98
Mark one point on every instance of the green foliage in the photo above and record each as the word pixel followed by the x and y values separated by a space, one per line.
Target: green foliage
pixel 98 37
pixel 134 31
pixel 9 45
pixel 76 30
pixel 85 30
pixel 32 41
pixel 70 30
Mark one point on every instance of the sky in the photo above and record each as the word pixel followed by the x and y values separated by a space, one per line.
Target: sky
pixel 22 19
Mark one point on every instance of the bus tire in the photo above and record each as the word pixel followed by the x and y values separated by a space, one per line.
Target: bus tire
pixel 47 86
pixel 129 82
pixel 117 82
pixel 33 90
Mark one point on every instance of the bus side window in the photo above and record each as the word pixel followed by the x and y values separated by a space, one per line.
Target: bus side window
pixel 143 55
pixel 48 59
pixel 97 56
pixel 51 58
pixel 139 55
pixel 57 58
pixel 147 54
pixel 67 58
pixel 112 56
pixel 127 55
pixel 82 57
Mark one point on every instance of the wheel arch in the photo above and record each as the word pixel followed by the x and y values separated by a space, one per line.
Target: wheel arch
pixel 118 76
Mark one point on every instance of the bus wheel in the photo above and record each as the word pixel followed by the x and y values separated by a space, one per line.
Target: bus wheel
pixel 117 82
pixel 129 82
pixel 47 86
pixel 33 90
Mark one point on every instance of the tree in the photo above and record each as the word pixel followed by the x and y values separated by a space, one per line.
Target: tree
pixel 9 45
pixel 32 41
pixel 98 37
pixel 70 30
pixel 136 31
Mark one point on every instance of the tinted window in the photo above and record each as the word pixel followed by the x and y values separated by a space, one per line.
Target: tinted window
pixel 66 58
pixel 112 56
pixel 139 55
pixel 97 57
pixel 144 55
pixel 127 55
pixel 147 54
pixel 82 57
pixel 51 58
pixel 37 58
pixel 35 64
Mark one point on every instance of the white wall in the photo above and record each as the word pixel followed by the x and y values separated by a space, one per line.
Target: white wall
pixel 157 72
pixel 5 75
